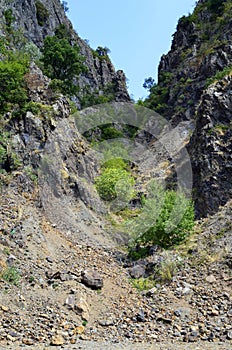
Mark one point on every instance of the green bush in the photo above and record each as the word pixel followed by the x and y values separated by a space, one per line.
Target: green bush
pixel 62 63
pixel 11 275
pixel 9 18
pixel 166 219
pixel 219 76
pixel 116 163
pixel 216 6
pixel 42 13
pixel 9 160
pixel 107 94
pixel 115 183
pixel 13 90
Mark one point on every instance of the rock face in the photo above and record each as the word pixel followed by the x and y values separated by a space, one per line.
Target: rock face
pixel 195 84
pixel 38 19
pixel 211 148
pixel 200 48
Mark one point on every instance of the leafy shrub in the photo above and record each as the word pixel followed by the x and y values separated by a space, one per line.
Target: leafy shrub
pixel 11 275
pixel 167 269
pixel 107 94
pixel 219 75
pixel 42 13
pixel 9 18
pixel 115 183
pixel 216 6
pixel 8 158
pixel 117 163
pixel 155 225
pixel 101 53
pixel 62 62
pixel 12 83
pixel 159 93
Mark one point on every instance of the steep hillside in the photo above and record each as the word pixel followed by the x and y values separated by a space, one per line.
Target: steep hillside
pixel 200 57
pixel 72 275
pixel 37 19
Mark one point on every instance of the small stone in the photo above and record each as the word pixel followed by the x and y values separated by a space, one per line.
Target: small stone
pixel 13 334
pixel 137 271
pixel 229 313
pixel 82 308
pixel 92 279
pixel 49 259
pixel 27 341
pixel 194 328
pixel 151 292
pixel 57 340
pixel 4 308
pixel 229 335
pixel 140 316
pixel 11 260
pixel 177 313
pixel 106 323
pixel 80 329
pixel 164 319
pixel 214 312
pixel 70 301
pixel 211 279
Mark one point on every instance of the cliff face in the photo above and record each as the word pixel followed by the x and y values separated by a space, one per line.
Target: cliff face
pixel 210 148
pixel 195 84
pixel 37 19
pixel 201 47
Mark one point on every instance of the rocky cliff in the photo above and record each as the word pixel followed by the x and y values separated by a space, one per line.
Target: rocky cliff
pixel 37 19
pixel 195 84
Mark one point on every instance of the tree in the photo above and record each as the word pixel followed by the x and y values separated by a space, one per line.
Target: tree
pixel 166 219
pixel 12 83
pixel 62 62
pixel 102 51
pixel 148 83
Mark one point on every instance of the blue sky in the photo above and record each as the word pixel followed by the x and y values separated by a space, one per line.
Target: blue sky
pixel 137 32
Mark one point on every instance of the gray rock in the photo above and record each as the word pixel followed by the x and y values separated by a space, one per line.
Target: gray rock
pixel 137 271
pixel 92 279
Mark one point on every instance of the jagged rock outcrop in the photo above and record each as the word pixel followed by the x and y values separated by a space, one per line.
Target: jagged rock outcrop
pixel 211 148
pixel 37 19
pixel 195 84
pixel 201 47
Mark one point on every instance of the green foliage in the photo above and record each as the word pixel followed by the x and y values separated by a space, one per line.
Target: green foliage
pixel 42 13
pixel 31 173
pixel 62 63
pixel 143 283
pixel 159 93
pixel 107 94
pixel 117 163
pixel 8 158
pixel 216 6
pixel 149 83
pixel 9 18
pixel 62 32
pixel 166 219
pixel 167 269
pixel 219 76
pixel 101 53
pixel 115 183
pixel 4 139
pixel 32 51
pixel 110 132
pixel 12 83
pixel 11 275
